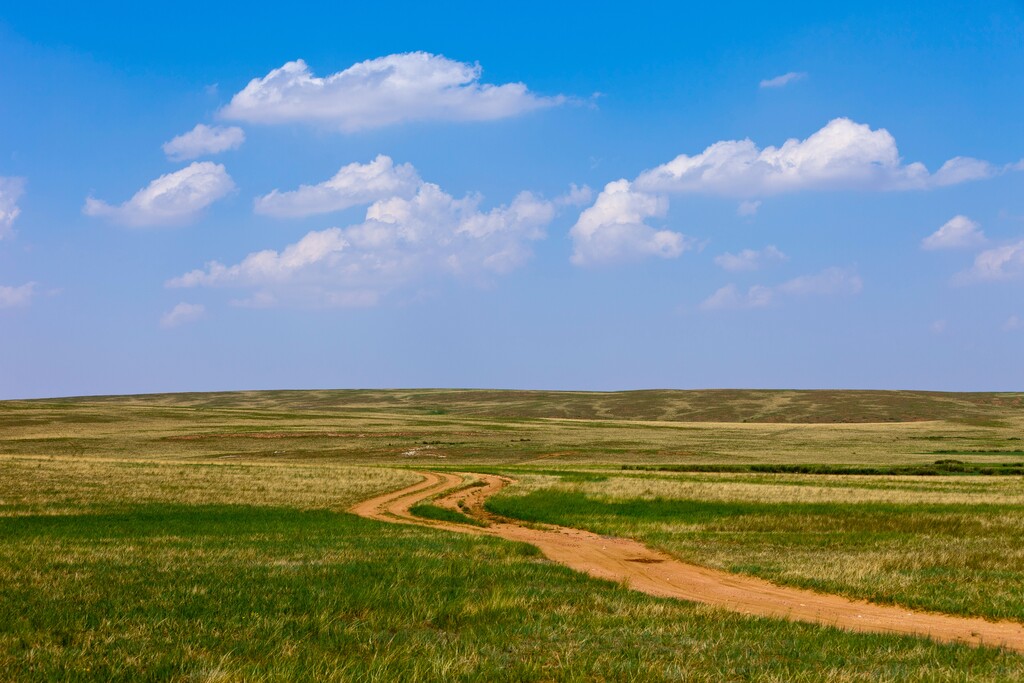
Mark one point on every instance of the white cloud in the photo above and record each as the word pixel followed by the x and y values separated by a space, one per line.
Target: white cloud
pixel 959 232
pixel 615 229
pixel 750 259
pixel 843 155
pixel 174 198
pixel 353 185
pixel 731 298
pixel 401 241
pixel 182 314
pixel 204 140
pixel 783 80
pixel 413 86
pixel 1013 323
pixel 937 327
pixel 965 169
pixel 1001 263
pixel 748 207
pixel 11 297
pixel 829 282
pixel 11 190
pixel 576 196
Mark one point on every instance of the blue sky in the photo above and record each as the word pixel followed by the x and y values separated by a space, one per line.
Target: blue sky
pixel 574 197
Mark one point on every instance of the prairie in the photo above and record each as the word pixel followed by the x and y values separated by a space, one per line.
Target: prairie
pixel 204 536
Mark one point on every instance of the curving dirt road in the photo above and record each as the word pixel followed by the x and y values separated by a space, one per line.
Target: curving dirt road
pixel 653 572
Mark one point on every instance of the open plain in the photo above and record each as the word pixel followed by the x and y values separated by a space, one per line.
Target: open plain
pixel 247 536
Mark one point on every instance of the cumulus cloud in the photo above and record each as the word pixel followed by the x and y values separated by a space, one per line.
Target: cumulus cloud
pixel 401 241
pixel 398 88
pixel 11 190
pixel 783 80
pixel 11 297
pixel 959 232
pixel 615 229
pixel 750 259
pixel 204 140
pixel 997 264
pixel 182 314
pixel 353 185
pixel 829 282
pixel 843 155
pixel 174 198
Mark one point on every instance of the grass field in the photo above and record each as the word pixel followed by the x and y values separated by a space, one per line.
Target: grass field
pixel 203 537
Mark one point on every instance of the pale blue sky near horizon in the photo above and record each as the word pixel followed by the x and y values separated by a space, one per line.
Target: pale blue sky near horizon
pixel 833 262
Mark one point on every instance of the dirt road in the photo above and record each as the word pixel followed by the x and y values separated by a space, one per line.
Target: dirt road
pixel 653 572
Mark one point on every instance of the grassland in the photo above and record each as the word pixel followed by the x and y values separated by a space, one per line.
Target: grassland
pixel 203 537
pixel 497 427
pixel 949 544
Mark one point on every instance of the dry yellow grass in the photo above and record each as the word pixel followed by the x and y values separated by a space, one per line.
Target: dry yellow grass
pixel 777 488
pixel 62 485
pixel 378 427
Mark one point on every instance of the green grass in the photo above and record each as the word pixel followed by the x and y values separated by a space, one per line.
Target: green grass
pixel 247 593
pixel 203 536
pixel 428 511
pixel 958 558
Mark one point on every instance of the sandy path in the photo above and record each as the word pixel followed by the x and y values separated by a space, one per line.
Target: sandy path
pixel 653 572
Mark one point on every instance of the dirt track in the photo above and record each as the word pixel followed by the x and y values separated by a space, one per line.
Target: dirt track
pixel 649 571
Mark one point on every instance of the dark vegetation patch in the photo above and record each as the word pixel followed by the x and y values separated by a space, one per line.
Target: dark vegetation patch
pixel 938 468
pixel 428 511
pixel 573 508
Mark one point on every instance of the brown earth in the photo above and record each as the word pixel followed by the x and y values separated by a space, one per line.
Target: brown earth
pixel 655 573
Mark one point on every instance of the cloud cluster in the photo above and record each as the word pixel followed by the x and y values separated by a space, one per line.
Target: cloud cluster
pixel 182 314
pixel 843 155
pixel 829 282
pixel 353 185
pixel 204 140
pixel 959 232
pixel 11 190
pixel 402 240
pixel 750 259
pixel 1000 263
pixel 783 80
pixel 11 297
pixel 171 199
pixel 614 229
pixel 398 88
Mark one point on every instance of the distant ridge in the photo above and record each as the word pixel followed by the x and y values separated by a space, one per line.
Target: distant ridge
pixel 705 405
